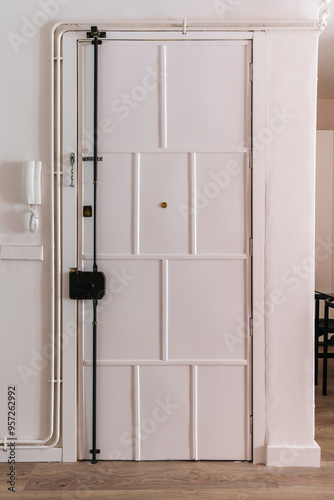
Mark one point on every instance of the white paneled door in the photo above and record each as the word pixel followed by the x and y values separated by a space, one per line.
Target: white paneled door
pixel 174 229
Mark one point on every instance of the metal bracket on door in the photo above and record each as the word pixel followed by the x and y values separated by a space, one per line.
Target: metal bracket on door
pixel 91 158
pixel 72 162
pixel 95 33
pixel 184 26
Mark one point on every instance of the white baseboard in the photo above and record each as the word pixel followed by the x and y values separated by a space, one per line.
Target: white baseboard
pixel 276 456
pixel 293 456
pixel 33 455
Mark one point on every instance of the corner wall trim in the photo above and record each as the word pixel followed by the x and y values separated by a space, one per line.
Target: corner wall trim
pixel 293 456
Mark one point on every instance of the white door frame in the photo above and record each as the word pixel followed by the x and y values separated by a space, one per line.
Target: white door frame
pixel 64 123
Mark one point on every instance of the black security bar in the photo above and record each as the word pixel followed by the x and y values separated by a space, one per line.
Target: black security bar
pixel 90 285
pixel 96 42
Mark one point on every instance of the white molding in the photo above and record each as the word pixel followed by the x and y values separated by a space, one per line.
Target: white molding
pixel 324 14
pixel 69 254
pixel 194 412
pixel 82 423
pixel 259 166
pixel 293 456
pixel 203 256
pixel 167 362
pixel 35 455
pixel 137 419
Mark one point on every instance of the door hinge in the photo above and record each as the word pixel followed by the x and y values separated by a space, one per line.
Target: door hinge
pixel 251 247
pixel 251 424
pixel 251 327
pixel 251 71
pixel 250 158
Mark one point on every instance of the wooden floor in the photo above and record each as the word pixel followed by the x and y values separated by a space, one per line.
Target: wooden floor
pixel 184 480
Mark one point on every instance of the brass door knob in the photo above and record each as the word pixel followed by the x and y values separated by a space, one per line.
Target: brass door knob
pixel 164 204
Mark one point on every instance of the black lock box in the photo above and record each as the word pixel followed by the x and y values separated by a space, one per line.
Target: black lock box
pixel 85 285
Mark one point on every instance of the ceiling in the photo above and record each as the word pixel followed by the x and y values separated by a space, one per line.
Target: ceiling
pixel 326 60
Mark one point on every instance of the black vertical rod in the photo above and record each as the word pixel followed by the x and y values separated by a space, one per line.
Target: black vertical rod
pixel 96 42
pixel 93 450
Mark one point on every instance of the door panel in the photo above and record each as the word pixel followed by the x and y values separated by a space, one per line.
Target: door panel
pixel 206 96
pixel 218 402
pixel 165 412
pixel 173 328
pixel 200 328
pixel 115 387
pixel 115 185
pixel 129 315
pixel 129 97
pixel 221 203
pixel 163 178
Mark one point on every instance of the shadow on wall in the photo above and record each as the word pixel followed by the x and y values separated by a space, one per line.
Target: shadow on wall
pixel 14 214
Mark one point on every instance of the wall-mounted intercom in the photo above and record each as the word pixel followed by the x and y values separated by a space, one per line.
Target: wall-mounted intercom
pixel 31 190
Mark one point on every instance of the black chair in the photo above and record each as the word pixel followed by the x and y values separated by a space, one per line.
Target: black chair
pixel 319 329
pixel 328 328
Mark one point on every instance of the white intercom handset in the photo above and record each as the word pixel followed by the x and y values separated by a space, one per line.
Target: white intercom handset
pixel 31 190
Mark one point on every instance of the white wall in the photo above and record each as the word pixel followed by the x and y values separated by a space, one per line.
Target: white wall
pixel 325 114
pixel 291 78
pixel 25 134
pixel 324 209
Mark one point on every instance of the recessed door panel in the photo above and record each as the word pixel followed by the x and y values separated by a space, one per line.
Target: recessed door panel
pixel 206 95
pixel 164 194
pixel 200 324
pixel 115 388
pixel 129 314
pixel 221 412
pixel 221 203
pixel 114 225
pixel 165 412
pixel 129 97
